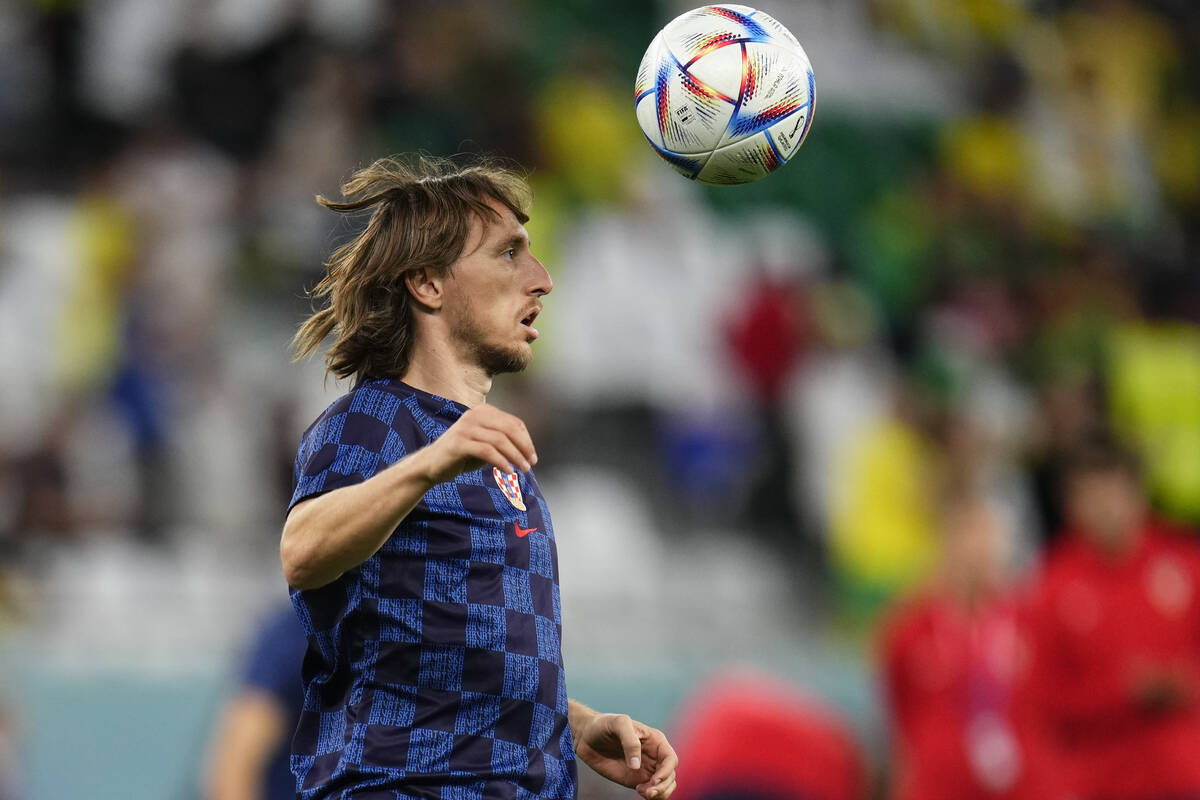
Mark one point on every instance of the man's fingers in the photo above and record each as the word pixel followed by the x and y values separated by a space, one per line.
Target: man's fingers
pixel 490 455
pixel 667 759
pixel 658 791
pixel 663 790
pixel 512 427
pixel 515 431
pixel 505 446
pixel 631 743
pixel 486 422
pixel 662 782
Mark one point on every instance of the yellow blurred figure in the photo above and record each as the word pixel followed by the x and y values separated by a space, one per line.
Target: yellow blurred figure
pixel 882 536
pixel 1154 386
pixel 993 20
pixel 89 330
pixel 1118 58
pixel 587 135
pixel 989 155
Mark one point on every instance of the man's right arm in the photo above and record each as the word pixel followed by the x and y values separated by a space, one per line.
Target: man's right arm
pixel 327 535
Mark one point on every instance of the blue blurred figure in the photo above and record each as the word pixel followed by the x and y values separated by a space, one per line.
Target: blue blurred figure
pixel 248 755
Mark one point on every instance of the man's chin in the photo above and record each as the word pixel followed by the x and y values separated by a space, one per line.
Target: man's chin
pixel 499 360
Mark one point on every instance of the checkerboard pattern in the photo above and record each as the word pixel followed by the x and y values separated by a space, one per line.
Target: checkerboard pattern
pixel 434 668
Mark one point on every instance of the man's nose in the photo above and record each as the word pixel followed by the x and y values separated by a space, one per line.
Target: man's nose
pixel 543 283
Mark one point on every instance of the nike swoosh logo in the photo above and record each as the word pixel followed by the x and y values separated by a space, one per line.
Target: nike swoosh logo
pixel 522 532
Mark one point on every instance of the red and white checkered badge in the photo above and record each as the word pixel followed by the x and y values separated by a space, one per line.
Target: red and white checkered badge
pixel 511 486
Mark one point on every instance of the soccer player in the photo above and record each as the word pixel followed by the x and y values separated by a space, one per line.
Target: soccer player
pixel 418 546
pixel 1117 651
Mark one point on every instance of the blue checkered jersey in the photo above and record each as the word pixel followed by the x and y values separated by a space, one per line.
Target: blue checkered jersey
pixel 434 668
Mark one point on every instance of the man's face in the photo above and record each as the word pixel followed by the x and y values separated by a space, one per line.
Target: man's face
pixel 976 545
pixel 494 293
pixel 1106 506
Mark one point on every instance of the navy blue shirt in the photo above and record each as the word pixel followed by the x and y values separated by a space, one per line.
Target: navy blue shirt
pixel 273 666
pixel 434 668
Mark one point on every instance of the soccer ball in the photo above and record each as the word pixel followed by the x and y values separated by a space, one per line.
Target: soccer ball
pixel 725 94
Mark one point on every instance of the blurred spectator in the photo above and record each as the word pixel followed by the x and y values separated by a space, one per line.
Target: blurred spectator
pixel 839 390
pixel 249 751
pixel 882 531
pixel 748 736
pixel 956 674
pixel 767 337
pixel 1154 391
pixel 1117 651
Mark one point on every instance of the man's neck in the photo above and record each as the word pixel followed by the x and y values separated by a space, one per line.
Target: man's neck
pixel 438 368
pixel 1117 547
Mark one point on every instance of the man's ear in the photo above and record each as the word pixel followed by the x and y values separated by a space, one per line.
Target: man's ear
pixel 425 287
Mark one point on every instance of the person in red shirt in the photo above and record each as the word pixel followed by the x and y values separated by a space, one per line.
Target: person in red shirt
pixel 1117 647
pixel 956 674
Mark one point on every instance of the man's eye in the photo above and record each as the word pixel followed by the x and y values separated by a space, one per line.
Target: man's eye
pixel 510 253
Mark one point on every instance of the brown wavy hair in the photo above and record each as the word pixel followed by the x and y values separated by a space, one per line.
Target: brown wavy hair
pixel 421 211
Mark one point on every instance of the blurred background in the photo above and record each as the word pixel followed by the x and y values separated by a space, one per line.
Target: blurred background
pixel 748 402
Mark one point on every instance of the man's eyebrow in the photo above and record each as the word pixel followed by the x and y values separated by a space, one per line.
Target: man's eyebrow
pixel 516 240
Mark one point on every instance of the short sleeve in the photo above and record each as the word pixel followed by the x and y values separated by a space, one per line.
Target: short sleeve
pixel 359 435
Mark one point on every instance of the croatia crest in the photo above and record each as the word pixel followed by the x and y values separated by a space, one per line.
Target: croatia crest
pixel 511 486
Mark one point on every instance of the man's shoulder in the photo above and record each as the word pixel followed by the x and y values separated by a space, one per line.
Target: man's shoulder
pixel 372 425
pixel 381 401
pixel 1166 534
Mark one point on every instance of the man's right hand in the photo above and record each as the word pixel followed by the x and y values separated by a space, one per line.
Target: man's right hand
pixel 483 435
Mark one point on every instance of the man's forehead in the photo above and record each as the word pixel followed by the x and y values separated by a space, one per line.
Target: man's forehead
pixel 488 228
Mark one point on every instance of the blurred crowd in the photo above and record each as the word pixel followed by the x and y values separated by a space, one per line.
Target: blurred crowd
pixel 882 363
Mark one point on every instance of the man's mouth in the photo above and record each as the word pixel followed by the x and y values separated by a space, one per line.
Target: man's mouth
pixel 527 321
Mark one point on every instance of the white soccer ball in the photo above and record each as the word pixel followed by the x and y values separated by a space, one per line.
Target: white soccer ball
pixel 725 94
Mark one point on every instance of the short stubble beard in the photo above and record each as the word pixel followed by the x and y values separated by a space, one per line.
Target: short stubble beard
pixel 492 359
